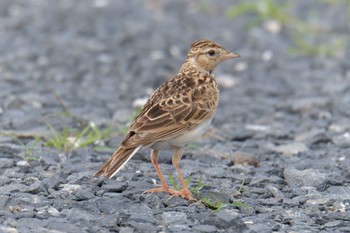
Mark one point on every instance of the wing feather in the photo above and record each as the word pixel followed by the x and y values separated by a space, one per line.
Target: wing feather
pixel 171 111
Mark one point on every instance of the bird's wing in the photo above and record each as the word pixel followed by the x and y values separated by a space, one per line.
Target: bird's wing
pixel 179 105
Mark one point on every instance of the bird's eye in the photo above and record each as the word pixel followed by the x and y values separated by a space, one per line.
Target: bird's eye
pixel 211 53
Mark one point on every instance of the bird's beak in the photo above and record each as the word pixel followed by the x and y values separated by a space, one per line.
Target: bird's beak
pixel 231 55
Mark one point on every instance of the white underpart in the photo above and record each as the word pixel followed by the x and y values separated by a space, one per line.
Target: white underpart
pixel 132 154
pixel 184 139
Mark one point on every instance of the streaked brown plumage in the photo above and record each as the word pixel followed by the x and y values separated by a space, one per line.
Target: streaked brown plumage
pixel 178 112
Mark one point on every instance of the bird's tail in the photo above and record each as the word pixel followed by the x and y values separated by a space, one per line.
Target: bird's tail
pixel 117 161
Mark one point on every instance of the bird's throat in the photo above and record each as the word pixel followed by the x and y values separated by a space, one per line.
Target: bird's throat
pixel 191 64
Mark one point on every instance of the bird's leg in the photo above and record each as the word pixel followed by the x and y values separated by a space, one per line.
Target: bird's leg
pixel 154 160
pixel 185 193
pixel 165 187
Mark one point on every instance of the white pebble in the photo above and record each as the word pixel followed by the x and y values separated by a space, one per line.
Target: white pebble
pixel 267 55
pixel 273 26
pixel 22 163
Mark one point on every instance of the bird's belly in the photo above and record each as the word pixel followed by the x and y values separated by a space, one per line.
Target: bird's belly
pixel 184 139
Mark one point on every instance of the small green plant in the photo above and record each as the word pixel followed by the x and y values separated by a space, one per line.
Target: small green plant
pixel 240 190
pixel 304 47
pixel 125 128
pixel 176 184
pixel 27 153
pixel 213 202
pixel 216 204
pixel 192 146
pixel 195 190
pixel 262 10
pixel 70 139
pixel 302 44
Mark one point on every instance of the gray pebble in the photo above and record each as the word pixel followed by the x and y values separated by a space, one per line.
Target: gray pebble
pixel 308 177
pixel 173 217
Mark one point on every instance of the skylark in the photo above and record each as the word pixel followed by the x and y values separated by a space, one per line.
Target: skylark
pixel 177 113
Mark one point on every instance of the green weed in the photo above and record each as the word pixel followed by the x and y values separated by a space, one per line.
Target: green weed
pixel 304 47
pixel 27 153
pixel 216 204
pixel 213 202
pixel 301 31
pixel 262 10
pixel 70 139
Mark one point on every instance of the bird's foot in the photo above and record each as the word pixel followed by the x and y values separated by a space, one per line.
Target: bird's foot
pixel 182 193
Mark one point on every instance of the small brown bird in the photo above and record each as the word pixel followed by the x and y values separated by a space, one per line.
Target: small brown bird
pixel 177 113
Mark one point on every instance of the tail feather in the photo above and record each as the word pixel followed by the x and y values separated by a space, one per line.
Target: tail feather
pixel 116 162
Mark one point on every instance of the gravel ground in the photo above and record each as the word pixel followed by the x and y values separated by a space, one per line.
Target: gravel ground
pixel 289 111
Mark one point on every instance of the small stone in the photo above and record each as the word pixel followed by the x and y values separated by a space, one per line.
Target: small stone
pixel 308 177
pixel 245 159
pixel 173 217
pixel 215 172
pixel 84 194
pixel 53 211
pixel 338 206
pixel 179 228
pixel 258 127
pixel 12 188
pixel 307 103
pixel 142 217
pixel 261 180
pixel 143 226
pixel 342 140
pixel 336 223
pixel 205 228
pixel 126 230
pixel 339 127
pixel 79 177
pixel 267 55
pixel 78 215
pixel 4 200
pixel 5 163
pixel 229 219
pixel 241 170
pixel 52 182
pixel 8 229
pixel 174 201
pixel 70 188
pixel 271 201
pixel 115 186
pixel 35 188
pixel 273 26
pixel 288 149
pixel 275 191
pixel 338 192
pixel 154 201
pixel 30 180
pixel 22 163
pixel 305 136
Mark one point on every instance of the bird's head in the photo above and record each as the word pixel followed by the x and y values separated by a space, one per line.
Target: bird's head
pixel 206 55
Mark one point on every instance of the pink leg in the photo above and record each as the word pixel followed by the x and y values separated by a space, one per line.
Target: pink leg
pixel 165 187
pixel 185 193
